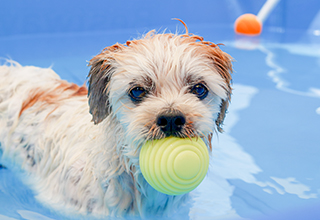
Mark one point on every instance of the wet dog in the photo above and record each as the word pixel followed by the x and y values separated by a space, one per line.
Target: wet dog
pixel 78 148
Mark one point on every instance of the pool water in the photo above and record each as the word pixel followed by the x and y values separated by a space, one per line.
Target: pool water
pixel 264 166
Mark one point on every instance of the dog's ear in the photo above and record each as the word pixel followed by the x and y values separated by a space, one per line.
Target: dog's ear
pixel 98 90
pixel 223 65
pixel 223 110
pixel 102 69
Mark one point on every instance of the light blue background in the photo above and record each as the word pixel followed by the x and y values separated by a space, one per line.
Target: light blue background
pixel 42 16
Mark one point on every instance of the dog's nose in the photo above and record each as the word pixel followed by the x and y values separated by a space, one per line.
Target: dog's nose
pixel 172 123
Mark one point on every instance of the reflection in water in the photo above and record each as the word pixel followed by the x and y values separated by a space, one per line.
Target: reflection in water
pixel 229 162
pixel 292 186
pixel 282 84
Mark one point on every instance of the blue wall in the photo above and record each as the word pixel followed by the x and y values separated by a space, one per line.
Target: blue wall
pixel 41 16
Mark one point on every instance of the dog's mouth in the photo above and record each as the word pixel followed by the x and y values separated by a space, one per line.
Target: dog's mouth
pixel 171 123
pixel 156 132
pixel 188 131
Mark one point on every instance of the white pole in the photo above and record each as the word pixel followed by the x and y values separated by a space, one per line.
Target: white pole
pixel 267 9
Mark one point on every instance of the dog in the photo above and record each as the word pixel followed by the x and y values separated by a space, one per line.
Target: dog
pixel 78 147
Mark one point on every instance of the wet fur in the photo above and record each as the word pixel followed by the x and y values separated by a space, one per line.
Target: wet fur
pixel 88 163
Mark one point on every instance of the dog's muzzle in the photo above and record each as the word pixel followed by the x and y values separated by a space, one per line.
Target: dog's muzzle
pixel 171 123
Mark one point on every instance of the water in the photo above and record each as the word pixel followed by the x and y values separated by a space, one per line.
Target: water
pixel 278 130
pixel 267 161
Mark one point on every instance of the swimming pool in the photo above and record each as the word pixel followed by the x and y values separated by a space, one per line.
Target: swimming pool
pixel 266 165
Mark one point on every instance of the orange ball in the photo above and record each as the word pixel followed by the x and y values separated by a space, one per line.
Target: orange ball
pixel 248 24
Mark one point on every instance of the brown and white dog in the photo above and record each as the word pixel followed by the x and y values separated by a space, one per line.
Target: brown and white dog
pixel 78 149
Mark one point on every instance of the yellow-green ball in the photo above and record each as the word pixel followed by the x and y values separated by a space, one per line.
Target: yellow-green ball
pixel 174 166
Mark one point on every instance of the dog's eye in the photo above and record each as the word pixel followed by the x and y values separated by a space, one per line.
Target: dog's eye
pixel 200 90
pixel 137 93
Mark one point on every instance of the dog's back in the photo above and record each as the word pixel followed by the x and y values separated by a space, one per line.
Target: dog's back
pixel 30 83
pixel 30 97
pixel 43 121
pixel 18 88
pixel 47 135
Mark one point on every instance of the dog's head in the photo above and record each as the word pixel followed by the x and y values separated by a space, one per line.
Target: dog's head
pixel 161 85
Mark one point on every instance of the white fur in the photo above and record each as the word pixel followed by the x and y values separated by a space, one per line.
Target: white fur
pixel 81 167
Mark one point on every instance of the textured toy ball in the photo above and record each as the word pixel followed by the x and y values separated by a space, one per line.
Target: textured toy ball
pixel 248 24
pixel 174 166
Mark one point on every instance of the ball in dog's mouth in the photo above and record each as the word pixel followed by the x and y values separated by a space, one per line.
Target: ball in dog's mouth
pixel 174 166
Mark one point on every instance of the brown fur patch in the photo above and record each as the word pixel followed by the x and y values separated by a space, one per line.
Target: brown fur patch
pixel 64 91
